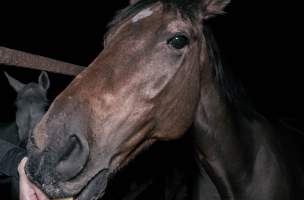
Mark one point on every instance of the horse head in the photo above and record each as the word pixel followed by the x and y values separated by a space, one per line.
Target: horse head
pixel 143 87
pixel 30 103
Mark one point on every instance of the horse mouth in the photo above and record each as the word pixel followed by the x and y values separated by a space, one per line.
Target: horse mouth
pixel 95 188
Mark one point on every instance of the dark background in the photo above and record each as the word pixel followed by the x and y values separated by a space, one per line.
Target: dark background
pixel 260 41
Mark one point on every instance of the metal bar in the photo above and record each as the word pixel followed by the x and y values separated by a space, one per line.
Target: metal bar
pixel 11 57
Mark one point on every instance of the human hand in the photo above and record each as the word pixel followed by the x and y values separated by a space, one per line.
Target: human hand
pixel 28 191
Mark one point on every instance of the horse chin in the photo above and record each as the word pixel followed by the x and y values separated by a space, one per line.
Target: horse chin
pixel 95 188
pixel 92 190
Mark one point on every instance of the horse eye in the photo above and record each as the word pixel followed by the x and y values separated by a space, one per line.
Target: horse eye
pixel 178 41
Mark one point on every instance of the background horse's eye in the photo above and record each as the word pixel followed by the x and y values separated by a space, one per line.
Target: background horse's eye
pixel 178 41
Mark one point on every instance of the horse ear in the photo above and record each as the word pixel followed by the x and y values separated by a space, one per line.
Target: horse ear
pixel 131 2
pixel 44 80
pixel 17 85
pixel 213 7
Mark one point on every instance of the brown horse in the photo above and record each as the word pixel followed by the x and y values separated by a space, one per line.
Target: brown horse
pixel 158 76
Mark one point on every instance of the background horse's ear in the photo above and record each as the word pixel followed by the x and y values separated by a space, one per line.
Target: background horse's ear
pixel 17 85
pixel 213 7
pixel 44 80
pixel 133 1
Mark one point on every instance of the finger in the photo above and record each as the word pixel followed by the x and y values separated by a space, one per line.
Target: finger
pixel 26 191
pixel 40 194
pixel 22 164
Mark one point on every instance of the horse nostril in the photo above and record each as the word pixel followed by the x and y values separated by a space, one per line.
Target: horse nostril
pixel 73 158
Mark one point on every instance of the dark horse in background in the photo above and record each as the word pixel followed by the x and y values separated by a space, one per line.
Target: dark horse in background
pixel 159 77
pixel 31 104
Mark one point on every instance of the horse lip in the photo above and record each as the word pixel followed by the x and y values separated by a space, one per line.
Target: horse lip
pixel 95 188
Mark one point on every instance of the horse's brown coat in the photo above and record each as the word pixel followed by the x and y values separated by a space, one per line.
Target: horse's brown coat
pixel 141 89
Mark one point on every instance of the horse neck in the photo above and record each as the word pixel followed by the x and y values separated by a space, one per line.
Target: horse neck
pixel 233 149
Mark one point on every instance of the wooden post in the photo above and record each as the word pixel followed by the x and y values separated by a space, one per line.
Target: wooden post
pixel 10 57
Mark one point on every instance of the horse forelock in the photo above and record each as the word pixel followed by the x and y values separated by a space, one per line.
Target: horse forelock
pixel 187 8
pixel 33 93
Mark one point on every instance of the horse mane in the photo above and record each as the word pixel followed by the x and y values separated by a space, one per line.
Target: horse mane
pixel 229 86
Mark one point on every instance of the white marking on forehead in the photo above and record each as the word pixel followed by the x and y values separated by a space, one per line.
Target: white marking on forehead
pixel 143 14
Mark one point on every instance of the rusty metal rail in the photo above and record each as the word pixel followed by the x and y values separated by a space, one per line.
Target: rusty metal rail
pixel 11 57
